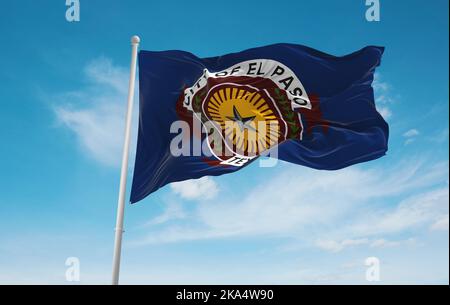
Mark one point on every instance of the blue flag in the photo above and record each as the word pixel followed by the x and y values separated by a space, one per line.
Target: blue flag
pixel 212 116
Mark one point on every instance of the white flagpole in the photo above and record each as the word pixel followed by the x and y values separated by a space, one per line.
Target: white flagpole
pixel 135 40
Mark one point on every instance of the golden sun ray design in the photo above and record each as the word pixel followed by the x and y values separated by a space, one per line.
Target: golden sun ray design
pixel 247 121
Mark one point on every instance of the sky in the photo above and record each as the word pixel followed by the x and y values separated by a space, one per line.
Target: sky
pixel 63 88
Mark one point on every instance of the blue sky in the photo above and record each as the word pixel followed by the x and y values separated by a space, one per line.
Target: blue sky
pixel 63 91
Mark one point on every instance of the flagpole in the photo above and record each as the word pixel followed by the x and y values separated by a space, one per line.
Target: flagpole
pixel 135 40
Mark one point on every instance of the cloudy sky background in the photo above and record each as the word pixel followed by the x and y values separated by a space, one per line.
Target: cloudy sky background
pixel 63 94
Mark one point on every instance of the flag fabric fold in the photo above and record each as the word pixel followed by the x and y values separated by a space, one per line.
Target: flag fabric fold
pixel 212 116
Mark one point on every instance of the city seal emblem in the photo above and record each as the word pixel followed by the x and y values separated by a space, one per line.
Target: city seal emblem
pixel 248 108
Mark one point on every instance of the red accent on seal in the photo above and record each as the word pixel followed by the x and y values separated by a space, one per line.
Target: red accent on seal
pixel 314 117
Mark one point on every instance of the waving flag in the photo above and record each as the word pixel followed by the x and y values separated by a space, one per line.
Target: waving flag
pixel 212 116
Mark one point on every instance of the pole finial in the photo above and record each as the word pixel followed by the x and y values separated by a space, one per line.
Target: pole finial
pixel 135 39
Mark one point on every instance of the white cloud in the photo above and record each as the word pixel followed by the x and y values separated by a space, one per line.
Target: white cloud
pixel 409 141
pixel 331 210
pixel 385 112
pixel 382 90
pixel 383 243
pixel 383 96
pixel 414 211
pixel 441 224
pixel 96 113
pixel 203 188
pixel 337 246
pixel 173 211
pixel 102 72
pixel 411 135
